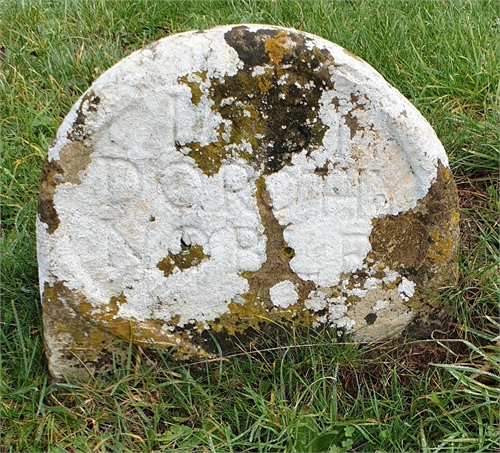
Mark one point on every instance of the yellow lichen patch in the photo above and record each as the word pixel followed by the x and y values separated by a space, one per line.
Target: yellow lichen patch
pixel 116 301
pixel 241 317
pixel 447 174
pixel 253 313
pixel 265 84
pixel 277 46
pixel 183 260
pixel 415 302
pixel 391 285
pixel 86 335
pixel 175 320
pixel 287 252
pixel 83 341
pixel 194 85
pixel 166 265
pixel 454 219
pixel 441 248
pixel 208 158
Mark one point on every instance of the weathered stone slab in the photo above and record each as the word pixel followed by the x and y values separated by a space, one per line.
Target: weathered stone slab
pixel 239 178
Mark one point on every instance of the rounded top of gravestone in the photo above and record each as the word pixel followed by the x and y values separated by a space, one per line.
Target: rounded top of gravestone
pixel 218 179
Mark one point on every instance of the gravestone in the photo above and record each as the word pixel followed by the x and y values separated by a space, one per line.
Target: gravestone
pixel 226 182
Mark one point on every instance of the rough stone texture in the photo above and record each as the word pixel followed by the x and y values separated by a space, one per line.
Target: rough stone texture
pixel 222 182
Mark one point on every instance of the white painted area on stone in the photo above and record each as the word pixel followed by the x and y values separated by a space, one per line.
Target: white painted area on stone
pixel 381 305
pixel 345 323
pixel 329 217
pixel 284 294
pixel 122 245
pixel 371 283
pixel 336 312
pixel 406 289
pixel 140 195
pixel 316 301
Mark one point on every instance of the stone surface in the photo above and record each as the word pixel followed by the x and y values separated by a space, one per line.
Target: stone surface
pixel 221 182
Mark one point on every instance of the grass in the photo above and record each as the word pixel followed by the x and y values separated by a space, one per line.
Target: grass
pixel 315 395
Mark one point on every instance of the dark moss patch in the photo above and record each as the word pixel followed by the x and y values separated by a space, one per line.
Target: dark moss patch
pixel 250 45
pixel 51 175
pixel 422 243
pixel 78 130
pixel 274 110
pixel 351 119
pixel 74 158
pixel 370 318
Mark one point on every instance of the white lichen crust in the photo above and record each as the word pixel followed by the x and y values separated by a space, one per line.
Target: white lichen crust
pixel 165 213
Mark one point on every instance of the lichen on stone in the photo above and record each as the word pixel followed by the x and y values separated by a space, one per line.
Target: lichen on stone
pixel 273 110
pixel 192 256
pixel 419 240
pixel 268 180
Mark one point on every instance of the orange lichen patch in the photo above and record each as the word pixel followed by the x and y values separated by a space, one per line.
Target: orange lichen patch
pixel 277 46
pixel 183 260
